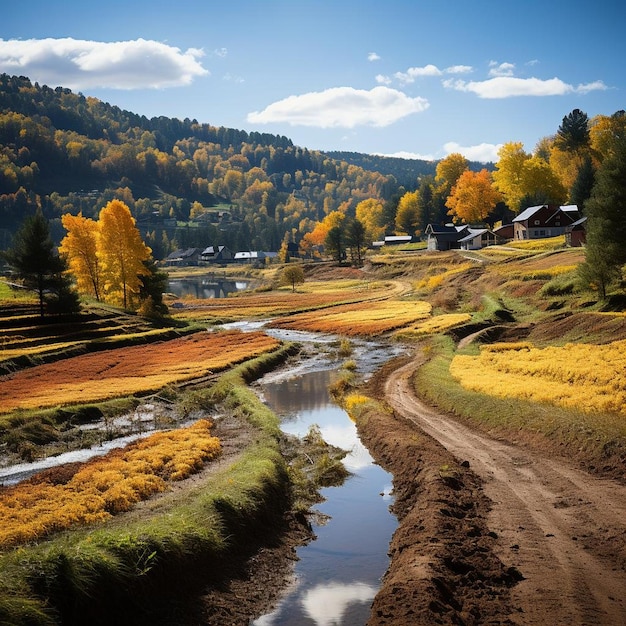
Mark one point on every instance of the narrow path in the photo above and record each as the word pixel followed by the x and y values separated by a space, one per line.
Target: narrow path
pixel 563 529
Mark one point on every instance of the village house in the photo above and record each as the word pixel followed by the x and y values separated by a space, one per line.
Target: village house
pixel 451 237
pixel 216 254
pixel 576 233
pixel 545 220
pixel 186 257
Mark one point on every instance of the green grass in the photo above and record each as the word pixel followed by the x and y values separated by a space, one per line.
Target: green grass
pixel 112 571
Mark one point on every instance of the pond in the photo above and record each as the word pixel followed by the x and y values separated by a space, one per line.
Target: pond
pixel 338 574
pixel 204 287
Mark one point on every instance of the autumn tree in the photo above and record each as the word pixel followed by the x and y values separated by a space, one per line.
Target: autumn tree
pixel 292 275
pixel 35 262
pixel 508 177
pixel 80 249
pixel 473 197
pixel 605 131
pixel 122 253
pixel 450 169
pixel 371 214
pixel 408 217
pixel 540 183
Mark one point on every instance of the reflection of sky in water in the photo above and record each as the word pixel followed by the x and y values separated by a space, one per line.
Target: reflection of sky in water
pixel 338 574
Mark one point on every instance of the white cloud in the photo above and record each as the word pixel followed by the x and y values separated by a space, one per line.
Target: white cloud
pixel 508 87
pixel 483 152
pixel 381 79
pixel 80 64
pixel 372 56
pixel 417 72
pixel 232 78
pixel 597 85
pixel 341 107
pixel 501 69
pixel 459 69
pixel 220 52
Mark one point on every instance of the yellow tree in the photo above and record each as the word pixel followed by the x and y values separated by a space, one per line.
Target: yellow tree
pixel 370 213
pixel 605 132
pixel 318 235
pixel 122 253
pixel 80 249
pixel 449 169
pixel 508 177
pixel 408 214
pixel 473 197
pixel 541 183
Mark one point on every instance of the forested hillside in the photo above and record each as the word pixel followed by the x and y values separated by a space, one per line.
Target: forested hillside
pixel 187 184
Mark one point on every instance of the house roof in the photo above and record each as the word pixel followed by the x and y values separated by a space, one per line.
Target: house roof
pixel 182 254
pixel 579 222
pixel 250 254
pixel 473 233
pixel 531 210
pixel 528 213
pixel 212 250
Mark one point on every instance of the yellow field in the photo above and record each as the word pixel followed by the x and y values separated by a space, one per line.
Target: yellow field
pixel 125 371
pixel 586 377
pixel 432 325
pixel 309 296
pixel 104 486
pixel 434 281
pixel 361 319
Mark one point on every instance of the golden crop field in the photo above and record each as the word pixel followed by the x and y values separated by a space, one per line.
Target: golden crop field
pixel 263 305
pixel 361 319
pixel 432 325
pixel 433 281
pixel 124 371
pixel 106 485
pixel 586 377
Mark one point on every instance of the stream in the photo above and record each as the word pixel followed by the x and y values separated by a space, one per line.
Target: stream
pixel 338 574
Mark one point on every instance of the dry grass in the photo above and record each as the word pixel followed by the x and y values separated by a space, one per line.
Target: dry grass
pixel 126 371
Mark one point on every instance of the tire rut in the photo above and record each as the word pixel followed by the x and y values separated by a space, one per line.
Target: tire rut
pixel 563 529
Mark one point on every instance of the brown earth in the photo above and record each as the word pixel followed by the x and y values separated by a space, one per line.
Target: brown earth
pixel 489 533
pixel 492 533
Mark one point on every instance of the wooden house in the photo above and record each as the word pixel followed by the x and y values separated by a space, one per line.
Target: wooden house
pixel 543 221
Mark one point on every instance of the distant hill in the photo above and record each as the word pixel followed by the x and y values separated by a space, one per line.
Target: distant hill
pixel 406 171
pixel 65 152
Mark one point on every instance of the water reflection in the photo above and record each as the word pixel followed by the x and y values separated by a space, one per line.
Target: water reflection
pixel 204 287
pixel 328 604
pixel 338 574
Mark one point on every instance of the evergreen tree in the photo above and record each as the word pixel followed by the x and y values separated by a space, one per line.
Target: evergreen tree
pixel 355 241
pixel 573 133
pixel 335 243
pixel 40 268
pixel 606 223
pixel 583 185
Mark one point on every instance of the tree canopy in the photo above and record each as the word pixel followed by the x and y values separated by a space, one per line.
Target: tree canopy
pixel 34 260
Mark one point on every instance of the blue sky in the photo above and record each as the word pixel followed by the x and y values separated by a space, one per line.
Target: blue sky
pixel 395 77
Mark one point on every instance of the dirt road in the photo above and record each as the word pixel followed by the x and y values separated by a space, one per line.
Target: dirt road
pixel 564 530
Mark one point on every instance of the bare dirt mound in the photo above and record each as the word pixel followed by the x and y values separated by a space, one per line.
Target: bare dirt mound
pixel 539 543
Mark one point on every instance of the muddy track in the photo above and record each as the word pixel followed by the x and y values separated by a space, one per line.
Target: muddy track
pixel 564 530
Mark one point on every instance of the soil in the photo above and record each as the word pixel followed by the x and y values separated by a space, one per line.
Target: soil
pixel 489 532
